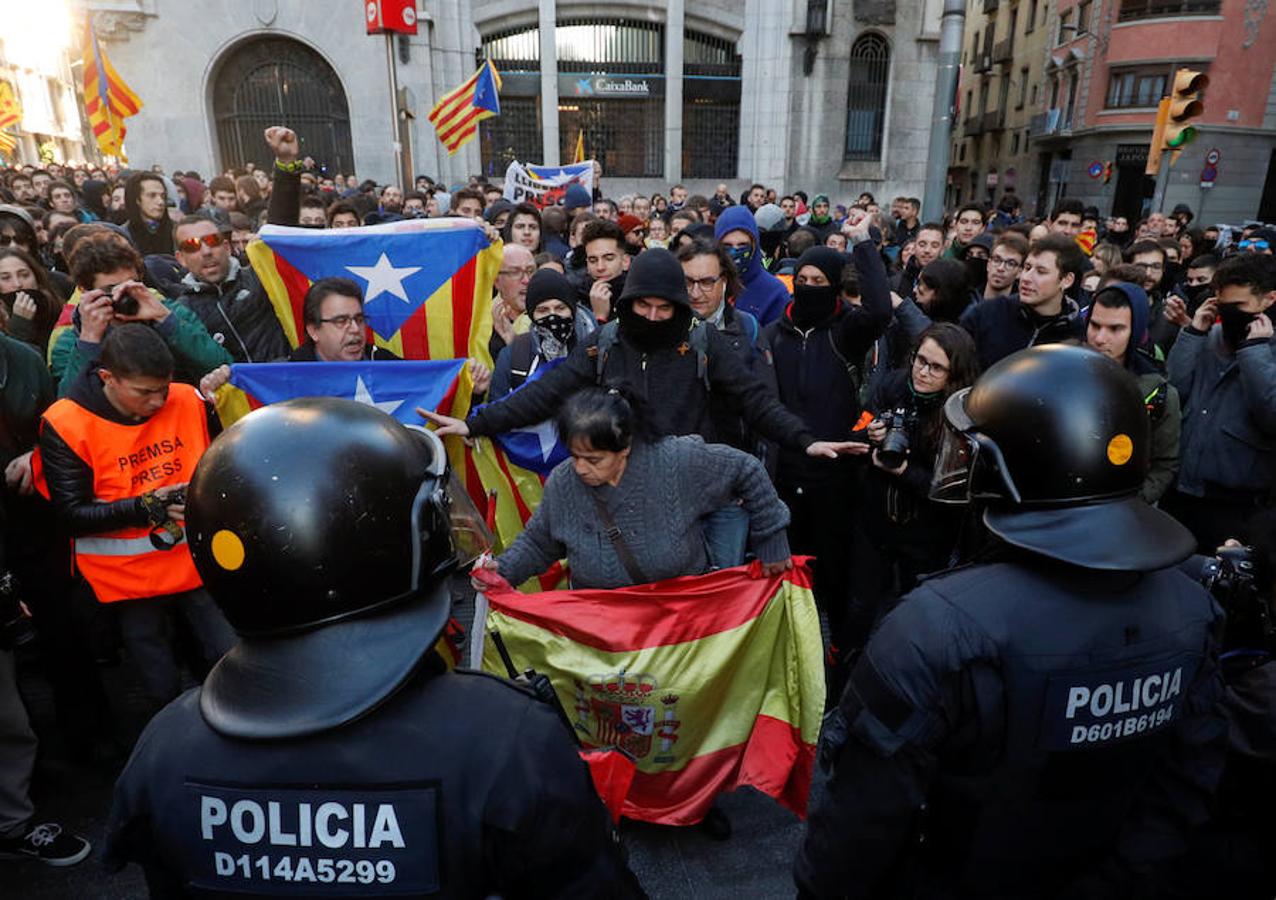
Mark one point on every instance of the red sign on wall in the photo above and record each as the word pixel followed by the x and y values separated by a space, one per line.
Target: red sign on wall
pixel 390 15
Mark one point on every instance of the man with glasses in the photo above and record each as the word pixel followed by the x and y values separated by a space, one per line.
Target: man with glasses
pixel 227 296
pixel 509 308
pixel 335 325
pixel 1004 263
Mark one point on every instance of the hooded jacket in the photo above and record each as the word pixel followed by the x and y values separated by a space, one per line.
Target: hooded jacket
pixel 812 367
pixel 1164 409
pixel 764 296
pixel 669 378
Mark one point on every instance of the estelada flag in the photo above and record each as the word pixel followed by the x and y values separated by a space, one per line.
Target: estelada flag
pixel 395 388
pixel 710 682
pixel 427 286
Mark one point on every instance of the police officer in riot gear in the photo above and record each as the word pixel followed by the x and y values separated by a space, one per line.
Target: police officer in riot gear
pixel 330 752
pixel 1044 723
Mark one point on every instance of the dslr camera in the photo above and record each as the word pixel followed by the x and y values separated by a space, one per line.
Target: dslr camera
pixel 125 304
pixel 894 447
pixel 165 533
pixel 1233 578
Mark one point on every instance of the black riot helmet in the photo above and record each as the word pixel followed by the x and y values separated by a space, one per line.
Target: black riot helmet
pixel 1056 441
pixel 326 531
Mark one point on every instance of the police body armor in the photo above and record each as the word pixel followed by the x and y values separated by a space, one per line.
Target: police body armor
pixel 459 786
pixel 1078 704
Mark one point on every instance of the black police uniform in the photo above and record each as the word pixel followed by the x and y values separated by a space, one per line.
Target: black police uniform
pixel 1026 705
pixel 329 753
pixel 460 785
pixel 1046 724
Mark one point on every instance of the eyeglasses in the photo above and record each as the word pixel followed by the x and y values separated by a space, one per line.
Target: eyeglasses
pixel 1151 267
pixel 192 245
pixel 1254 244
pixel 1001 262
pixel 922 364
pixel 344 322
pixel 519 273
pixel 704 284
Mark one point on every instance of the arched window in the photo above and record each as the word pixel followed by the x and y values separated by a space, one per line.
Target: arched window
pixel 866 100
pixel 278 81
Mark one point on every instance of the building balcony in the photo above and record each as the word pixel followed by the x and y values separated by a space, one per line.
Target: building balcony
pixel 973 127
pixel 1046 123
pixel 983 62
pixel 990 6
pixel 995 120
pixel 1004 51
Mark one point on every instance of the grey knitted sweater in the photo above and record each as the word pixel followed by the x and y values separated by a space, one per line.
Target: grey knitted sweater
pixel 666 488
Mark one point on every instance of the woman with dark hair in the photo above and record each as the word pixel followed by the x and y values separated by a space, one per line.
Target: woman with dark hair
pixel 942 291
pixel 626 509
pixel 902 532
pixel 97 197
pixel 29 303
pixel 524 227
pixel 248 196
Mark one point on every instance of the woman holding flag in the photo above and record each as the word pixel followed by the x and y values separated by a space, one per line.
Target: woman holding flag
pixel 627 510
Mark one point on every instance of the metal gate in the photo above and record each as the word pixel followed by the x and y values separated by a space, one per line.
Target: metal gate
pixel 276 81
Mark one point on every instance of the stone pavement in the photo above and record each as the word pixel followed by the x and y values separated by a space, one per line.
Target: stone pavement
pixel 670 862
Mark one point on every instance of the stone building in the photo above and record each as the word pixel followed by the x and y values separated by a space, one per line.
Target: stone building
pixel 826 95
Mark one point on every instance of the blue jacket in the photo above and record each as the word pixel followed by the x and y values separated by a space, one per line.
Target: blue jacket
pixel 764 296
pixel 1229 415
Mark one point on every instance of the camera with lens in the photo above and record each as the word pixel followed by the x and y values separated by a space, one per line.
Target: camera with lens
pixel 1233 578
pixel 165 533
pixel 15 627
pixel 125 304
pixel 894 447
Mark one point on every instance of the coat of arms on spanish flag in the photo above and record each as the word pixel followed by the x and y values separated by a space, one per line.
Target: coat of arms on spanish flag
pixel 710 682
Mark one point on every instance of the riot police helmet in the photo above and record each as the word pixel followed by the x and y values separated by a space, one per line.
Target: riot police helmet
pixel 325 530
pixel 1055 441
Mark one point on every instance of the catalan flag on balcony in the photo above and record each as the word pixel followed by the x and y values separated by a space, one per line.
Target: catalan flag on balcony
pixel 10 114
pixel 456 116
pixel 710 682
pixel 108 101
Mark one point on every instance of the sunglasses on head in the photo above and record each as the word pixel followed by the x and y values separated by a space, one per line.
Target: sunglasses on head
pixel 192 245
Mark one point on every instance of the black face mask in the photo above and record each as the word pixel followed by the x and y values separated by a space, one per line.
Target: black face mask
pixel 813 304
pixel 1235 323
pixel 1196 295
pixel 649 336
pixel 976 272
pixel 559 328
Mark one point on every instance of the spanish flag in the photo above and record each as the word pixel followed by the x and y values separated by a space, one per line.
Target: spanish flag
pixel 710 682
pixel 108 100
pixel 456 116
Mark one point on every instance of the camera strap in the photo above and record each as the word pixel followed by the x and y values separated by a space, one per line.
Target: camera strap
pixel 617 538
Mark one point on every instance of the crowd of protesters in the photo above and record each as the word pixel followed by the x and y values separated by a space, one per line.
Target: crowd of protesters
pixel 817 340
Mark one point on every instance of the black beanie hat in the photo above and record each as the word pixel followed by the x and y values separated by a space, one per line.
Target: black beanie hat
pixel 826 259
pixel 655 273
pixel 548 284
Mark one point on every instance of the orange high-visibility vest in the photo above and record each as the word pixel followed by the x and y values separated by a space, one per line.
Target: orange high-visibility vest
pixel 128 461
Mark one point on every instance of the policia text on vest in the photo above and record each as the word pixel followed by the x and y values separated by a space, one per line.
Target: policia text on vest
pixel 1106 708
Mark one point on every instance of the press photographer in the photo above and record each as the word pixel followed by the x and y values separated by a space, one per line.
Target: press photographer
pixel 113 457
pixel 902 532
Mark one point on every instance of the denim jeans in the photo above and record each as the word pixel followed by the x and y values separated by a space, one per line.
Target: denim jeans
pixel 726 533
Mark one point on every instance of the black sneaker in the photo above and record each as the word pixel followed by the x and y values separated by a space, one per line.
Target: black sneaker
pixel 47 843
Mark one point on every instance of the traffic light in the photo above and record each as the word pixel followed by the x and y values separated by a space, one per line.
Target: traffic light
pixel 1174 129
pixel 1185 105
